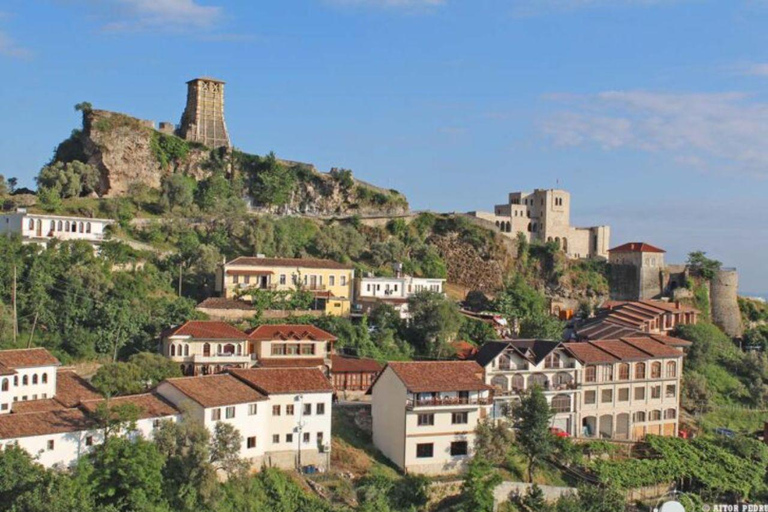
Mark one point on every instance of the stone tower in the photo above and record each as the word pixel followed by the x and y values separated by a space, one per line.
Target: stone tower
pixel 636 271
pixel 203 118
pixel 723 291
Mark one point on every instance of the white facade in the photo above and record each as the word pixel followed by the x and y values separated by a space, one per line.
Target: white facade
pixel 395 291
pixel 41 228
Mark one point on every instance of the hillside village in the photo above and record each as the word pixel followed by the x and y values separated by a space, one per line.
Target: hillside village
pixel 240 327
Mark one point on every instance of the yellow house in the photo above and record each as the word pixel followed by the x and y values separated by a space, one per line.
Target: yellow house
pixel 329 281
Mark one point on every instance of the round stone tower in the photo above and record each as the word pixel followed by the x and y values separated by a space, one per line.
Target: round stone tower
pixel 725 306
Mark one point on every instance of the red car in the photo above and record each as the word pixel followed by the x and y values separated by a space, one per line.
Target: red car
pixel 559 432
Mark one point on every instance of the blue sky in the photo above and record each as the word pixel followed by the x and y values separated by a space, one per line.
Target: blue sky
pixel 653 113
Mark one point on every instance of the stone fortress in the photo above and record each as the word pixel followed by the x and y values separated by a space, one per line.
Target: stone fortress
pixel 544 215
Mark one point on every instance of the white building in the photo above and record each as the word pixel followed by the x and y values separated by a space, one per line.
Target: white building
pixel 42 227
pixel 203 347
pixel 26 374
pixel 425 413
pixel 291 345
pixel 394 291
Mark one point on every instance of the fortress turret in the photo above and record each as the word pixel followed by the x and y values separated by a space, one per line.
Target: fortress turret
pixel 203 118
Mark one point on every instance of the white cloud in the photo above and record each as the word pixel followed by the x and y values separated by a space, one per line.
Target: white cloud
pixel 158 14
pixel 725 131
pixel 9 48
pixel 402 4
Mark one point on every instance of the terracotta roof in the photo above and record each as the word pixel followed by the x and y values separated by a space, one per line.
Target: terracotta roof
pixel 290 332
pixel 291 362
pixel 285 380
pixel 652 347
pixel 207 329
pixel 47 404
pixel 243 272
pixel 425 376
pixel 624 349
pixel 248 261
pixel 150 405
pixel 27 358
pixel 216 390
pixel 589 353
pixel 346 364
pixel 464 349
pixel 71 389
pixel 636 247
pixel 670 340
pixel 223 303
pixel 30 424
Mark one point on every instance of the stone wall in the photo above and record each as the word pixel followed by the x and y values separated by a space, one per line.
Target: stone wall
pixel 723 298
pixel 505 490
pixel 624 281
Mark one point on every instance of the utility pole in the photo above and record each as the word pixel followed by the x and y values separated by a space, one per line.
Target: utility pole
pixel 15 314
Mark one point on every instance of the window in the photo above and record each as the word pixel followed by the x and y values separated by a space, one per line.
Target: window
pixel 561 403
pixel 671 369
pixel 278 349
pixel 25 380
pixel 251 442
pixel 15 380
pixel 34 379
pixel 607 372
pixel 606 396
pixel 670 414
pixel 5 385
pixel 282 278
pixel 155 424
pixel 247 279
pixel 425 419
pixel 343 280
pixel 639 417
pixel 307 409
pixel 215 414
pixel 458 448
pixel 288 438
pixel 308 349
pixel 331 280
pixel 275 438
pixel 305 437
pixel 590 374
pixel 425 450
pixel 320 409
pixel 51 444
pixel 624 371
pixel 320 438
pixel 459 418
pixel 654 416
pixel 4 407
pixel 88 440
pixel 589 397
pixel 275 410
pixel 639 393
pixel 656 392
pixel 624 395
pixel 670 392
pixel 253 409
pixel 640 371
pixel 235 279
pixel 289 410
pixel 230 412
pixel 656 371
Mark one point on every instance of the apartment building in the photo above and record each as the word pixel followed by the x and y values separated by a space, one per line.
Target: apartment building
pixel 291 345
pixel 513 366
pixel 26 374
pixel 42 227
pixel 631 318
pixel 425 413
pixel 331 283
pixel 394 291
pixel 204 347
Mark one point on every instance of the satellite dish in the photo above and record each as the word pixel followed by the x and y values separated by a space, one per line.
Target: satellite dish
pixel 672 506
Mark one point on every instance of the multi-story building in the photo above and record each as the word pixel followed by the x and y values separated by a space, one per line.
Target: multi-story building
pixel 544 215
pixel 394 291
pixel 514 366
pixel 331 283
pixel 291 345
pixel 425 413
pixel 26 374
pixel 42 227
pixel 637 271
pixel 204 347
pixel 353 374
pixel 632 318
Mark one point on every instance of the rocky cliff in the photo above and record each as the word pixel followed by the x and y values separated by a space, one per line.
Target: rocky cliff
pixel 127 151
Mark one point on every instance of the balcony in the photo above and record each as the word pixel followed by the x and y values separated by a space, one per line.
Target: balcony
pixel 446 402
pixel 315 287
pixel 219 358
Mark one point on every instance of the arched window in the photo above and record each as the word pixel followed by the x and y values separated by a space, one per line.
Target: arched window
pixel 25 380
pixel 552 360
pixel 640 371
pixel 61 226
pixel 529 227
pixel 31 223
pixel 561 403
pixel 5 385
pixel 34 379
pixel 654 416
pixel 45 378
pixel 15 380
pixel 518 382
pixel 624 371
pixel 81 227
pixel 671 369
pixel 173 350
pixel 186 349
pixel 670 414
pixel 499 382
pixel 639 417
pixel 239 349
pixel 656 370
pixel 66 226
pixel 207 349
pixel 607 372
pixel 539 379
pixel 590 373
pixel 504 362
pixel 88 227
pixel 229 348
pixel 53 225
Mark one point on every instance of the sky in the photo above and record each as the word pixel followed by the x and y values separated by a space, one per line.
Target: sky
pixel 652 113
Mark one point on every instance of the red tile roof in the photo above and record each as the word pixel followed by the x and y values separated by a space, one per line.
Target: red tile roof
pixel 636 247
pixel 71 389
pixel 589 353
pixel 285 380
pixel 31 424
pixel 150 405
pixel 624 349
pixel 46 404
pixel 426 376
pixel 291 362
pixel 344 364
pixel 653 348
pixel 670 340
pixel 248 261
pixel 290 332
pixel 27 358
pixel 216 390
pixel 208 330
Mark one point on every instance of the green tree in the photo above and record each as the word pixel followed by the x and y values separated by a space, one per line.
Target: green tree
pixel 493 440
pixel 700 265
pixel 435 321
pixel 178 191
pixel 49 199
pixel 273 182
pixel 477 490
pixel 72 179
pixel 532 418
pixel 225 449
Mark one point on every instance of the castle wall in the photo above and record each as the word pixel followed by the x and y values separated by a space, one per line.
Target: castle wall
pixel 624 281
pixel 723 298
